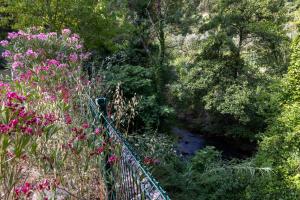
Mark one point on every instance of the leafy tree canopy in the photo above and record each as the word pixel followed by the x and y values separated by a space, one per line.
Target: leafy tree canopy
pixel 100 23
pixel 241 50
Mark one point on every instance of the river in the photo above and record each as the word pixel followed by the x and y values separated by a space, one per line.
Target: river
pixel 190 142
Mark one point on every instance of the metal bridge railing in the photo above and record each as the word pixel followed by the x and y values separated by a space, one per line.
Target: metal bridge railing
pixel 127 179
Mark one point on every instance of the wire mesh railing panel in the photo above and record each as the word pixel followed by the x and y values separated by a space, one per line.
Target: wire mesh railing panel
pixel 128 177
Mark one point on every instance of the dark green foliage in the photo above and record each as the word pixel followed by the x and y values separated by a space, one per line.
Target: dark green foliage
pixel 281 143
pixel 136 80
pixel 241 53
pixel 2 61
pixel 207 176
pixel 101 24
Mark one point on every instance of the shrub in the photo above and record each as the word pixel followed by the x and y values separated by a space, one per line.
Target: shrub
pixel 280 144
pixel 47 146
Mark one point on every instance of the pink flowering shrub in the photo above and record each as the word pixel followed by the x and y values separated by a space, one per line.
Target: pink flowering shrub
pixel 43 131
pixel 22 126
pixel 50 59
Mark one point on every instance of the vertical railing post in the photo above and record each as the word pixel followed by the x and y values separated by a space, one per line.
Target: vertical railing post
pixel 102 103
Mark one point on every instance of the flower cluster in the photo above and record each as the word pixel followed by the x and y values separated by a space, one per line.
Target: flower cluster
pixel 27 188
pixel 150 161
pixel 6 54
pixel 112 159
pixel 31 53
pixel 43 57
pixel 4 43
pixel 79 134
pixel 21 119
pixel 98 150
pixel 98 131
pixel 39 109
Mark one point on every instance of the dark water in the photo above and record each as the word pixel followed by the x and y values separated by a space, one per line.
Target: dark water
pixel 189 143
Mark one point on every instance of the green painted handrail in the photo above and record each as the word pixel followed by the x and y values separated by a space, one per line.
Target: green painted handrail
pixel 133 180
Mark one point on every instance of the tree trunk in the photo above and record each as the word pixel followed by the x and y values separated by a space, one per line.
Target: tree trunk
pixel 161 57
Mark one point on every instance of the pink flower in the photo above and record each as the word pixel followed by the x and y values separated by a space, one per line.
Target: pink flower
pixel 14 95
pixel 12 35
pixel 4 43
pixel 52 34
pixel 26 76
pixel 11 105
pixel 22 114
pixel 42 36
pixel 68 119
pixel 45 68
pixel 50 97
pixel 60 66
pixel 99 150
pixel 30 37
pixel 13 123
pixel 85 56
pixel 112 159
pixel 20 32
pixel 66 31
pixel 53 62
pixel 38 121
pixel 25 189
pixel 74 35
pixel 45 184
pixel 78 46
pixel 150 161
pixel 6 54
pixel 11 95
pixel 6 85
pixel 71 40
pixel 85 125
pixel 31 53
pixel 74 39
pixel 10 154
pixel 4 128
pixel 28 130
pixel 97 131
pixel 17 64
pixel 81 137
pixel 18 56
pixel 73 57
pixel 65 93
pixel 50 118
pixel 18 192
pixel 53 97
